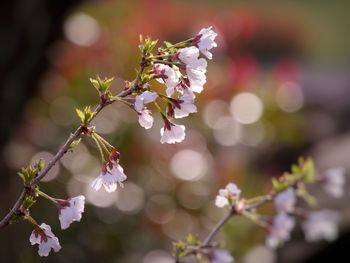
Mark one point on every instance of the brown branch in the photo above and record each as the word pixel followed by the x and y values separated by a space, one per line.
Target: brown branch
pixel 233 212
pixel 217 227
pixel 17 206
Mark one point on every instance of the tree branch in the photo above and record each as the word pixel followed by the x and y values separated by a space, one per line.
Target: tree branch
pixel 217 227
pixel 63 149
pixel 232 213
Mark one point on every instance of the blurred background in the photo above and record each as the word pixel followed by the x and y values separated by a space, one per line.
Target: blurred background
pixel 278 87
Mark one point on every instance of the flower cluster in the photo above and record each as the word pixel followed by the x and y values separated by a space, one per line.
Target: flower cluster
pixel 111 175
pixel 181 70
pixel 317 225
pixel 229 196
pixel 333 181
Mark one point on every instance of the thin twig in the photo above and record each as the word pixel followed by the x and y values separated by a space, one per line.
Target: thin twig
pixel 232 213
pixel 217 227
pixel 17 206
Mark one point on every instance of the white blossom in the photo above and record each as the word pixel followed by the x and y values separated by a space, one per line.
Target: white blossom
pixel 171 77
pixel 334 181
pixel 144 98
pixel 321 225
pixel 110 178
pixel 207 41
pixel 196 75
pixel 70 210
pixel 231 191
pixel 189 55
pixel 285 201
pixel 280 230
pixel 46 240
pixel 221 256
pixel 145 118
pixel 185 105
pixel 172 133
pixel 195 68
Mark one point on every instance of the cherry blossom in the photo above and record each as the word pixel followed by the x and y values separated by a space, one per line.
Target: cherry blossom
pixel 321 225
pixel 206 41
pixel 285 201
pixel 195 68
pixel 145 118
pixel 43 236
pixel 196 75
pixel 226 195
pixel 189 55
pixel 170 76
pixel 70 210
pixel 221 256
pixel 280 230
pixel 112 174
pixel 144 98
pixel 172 133
pixel 185 105
pixel 334 181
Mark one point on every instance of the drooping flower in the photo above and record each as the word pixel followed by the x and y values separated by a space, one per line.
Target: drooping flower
pixel 184 105
pixel 206 41
pixel 227 195
pixel 172 133
pixel 145 118
pixel 321 225
pixel 334 181
pixel 112 174
pixel 221 256
pixel 144 98
pixel 195 68
pixel 196 75
pixel 43 236
pixel 285 201
pixel 280 230
pixel 170 76
pixel 70 210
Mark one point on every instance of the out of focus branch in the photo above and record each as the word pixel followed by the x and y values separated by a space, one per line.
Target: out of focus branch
pixel 233 212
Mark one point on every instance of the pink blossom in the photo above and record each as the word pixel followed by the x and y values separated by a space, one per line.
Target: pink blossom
pixel 70 210
pixel 189 55
pixel 43 236
pixel 221 256
pixel 170 76
pixel 185 105
pixel 195 68
pixel 285 201
pixel 206 41
pixel 144 98
pixel 227 195
pixel 110 177
pixel 172 133
pixel 321 225
pixel 145 118
pixel 280 230
pixel 334 181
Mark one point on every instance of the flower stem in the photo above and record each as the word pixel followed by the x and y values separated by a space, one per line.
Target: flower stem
pixel 167 62
pixel 31 220
pixel 98 144
pixel 46 196
pixel 104 142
